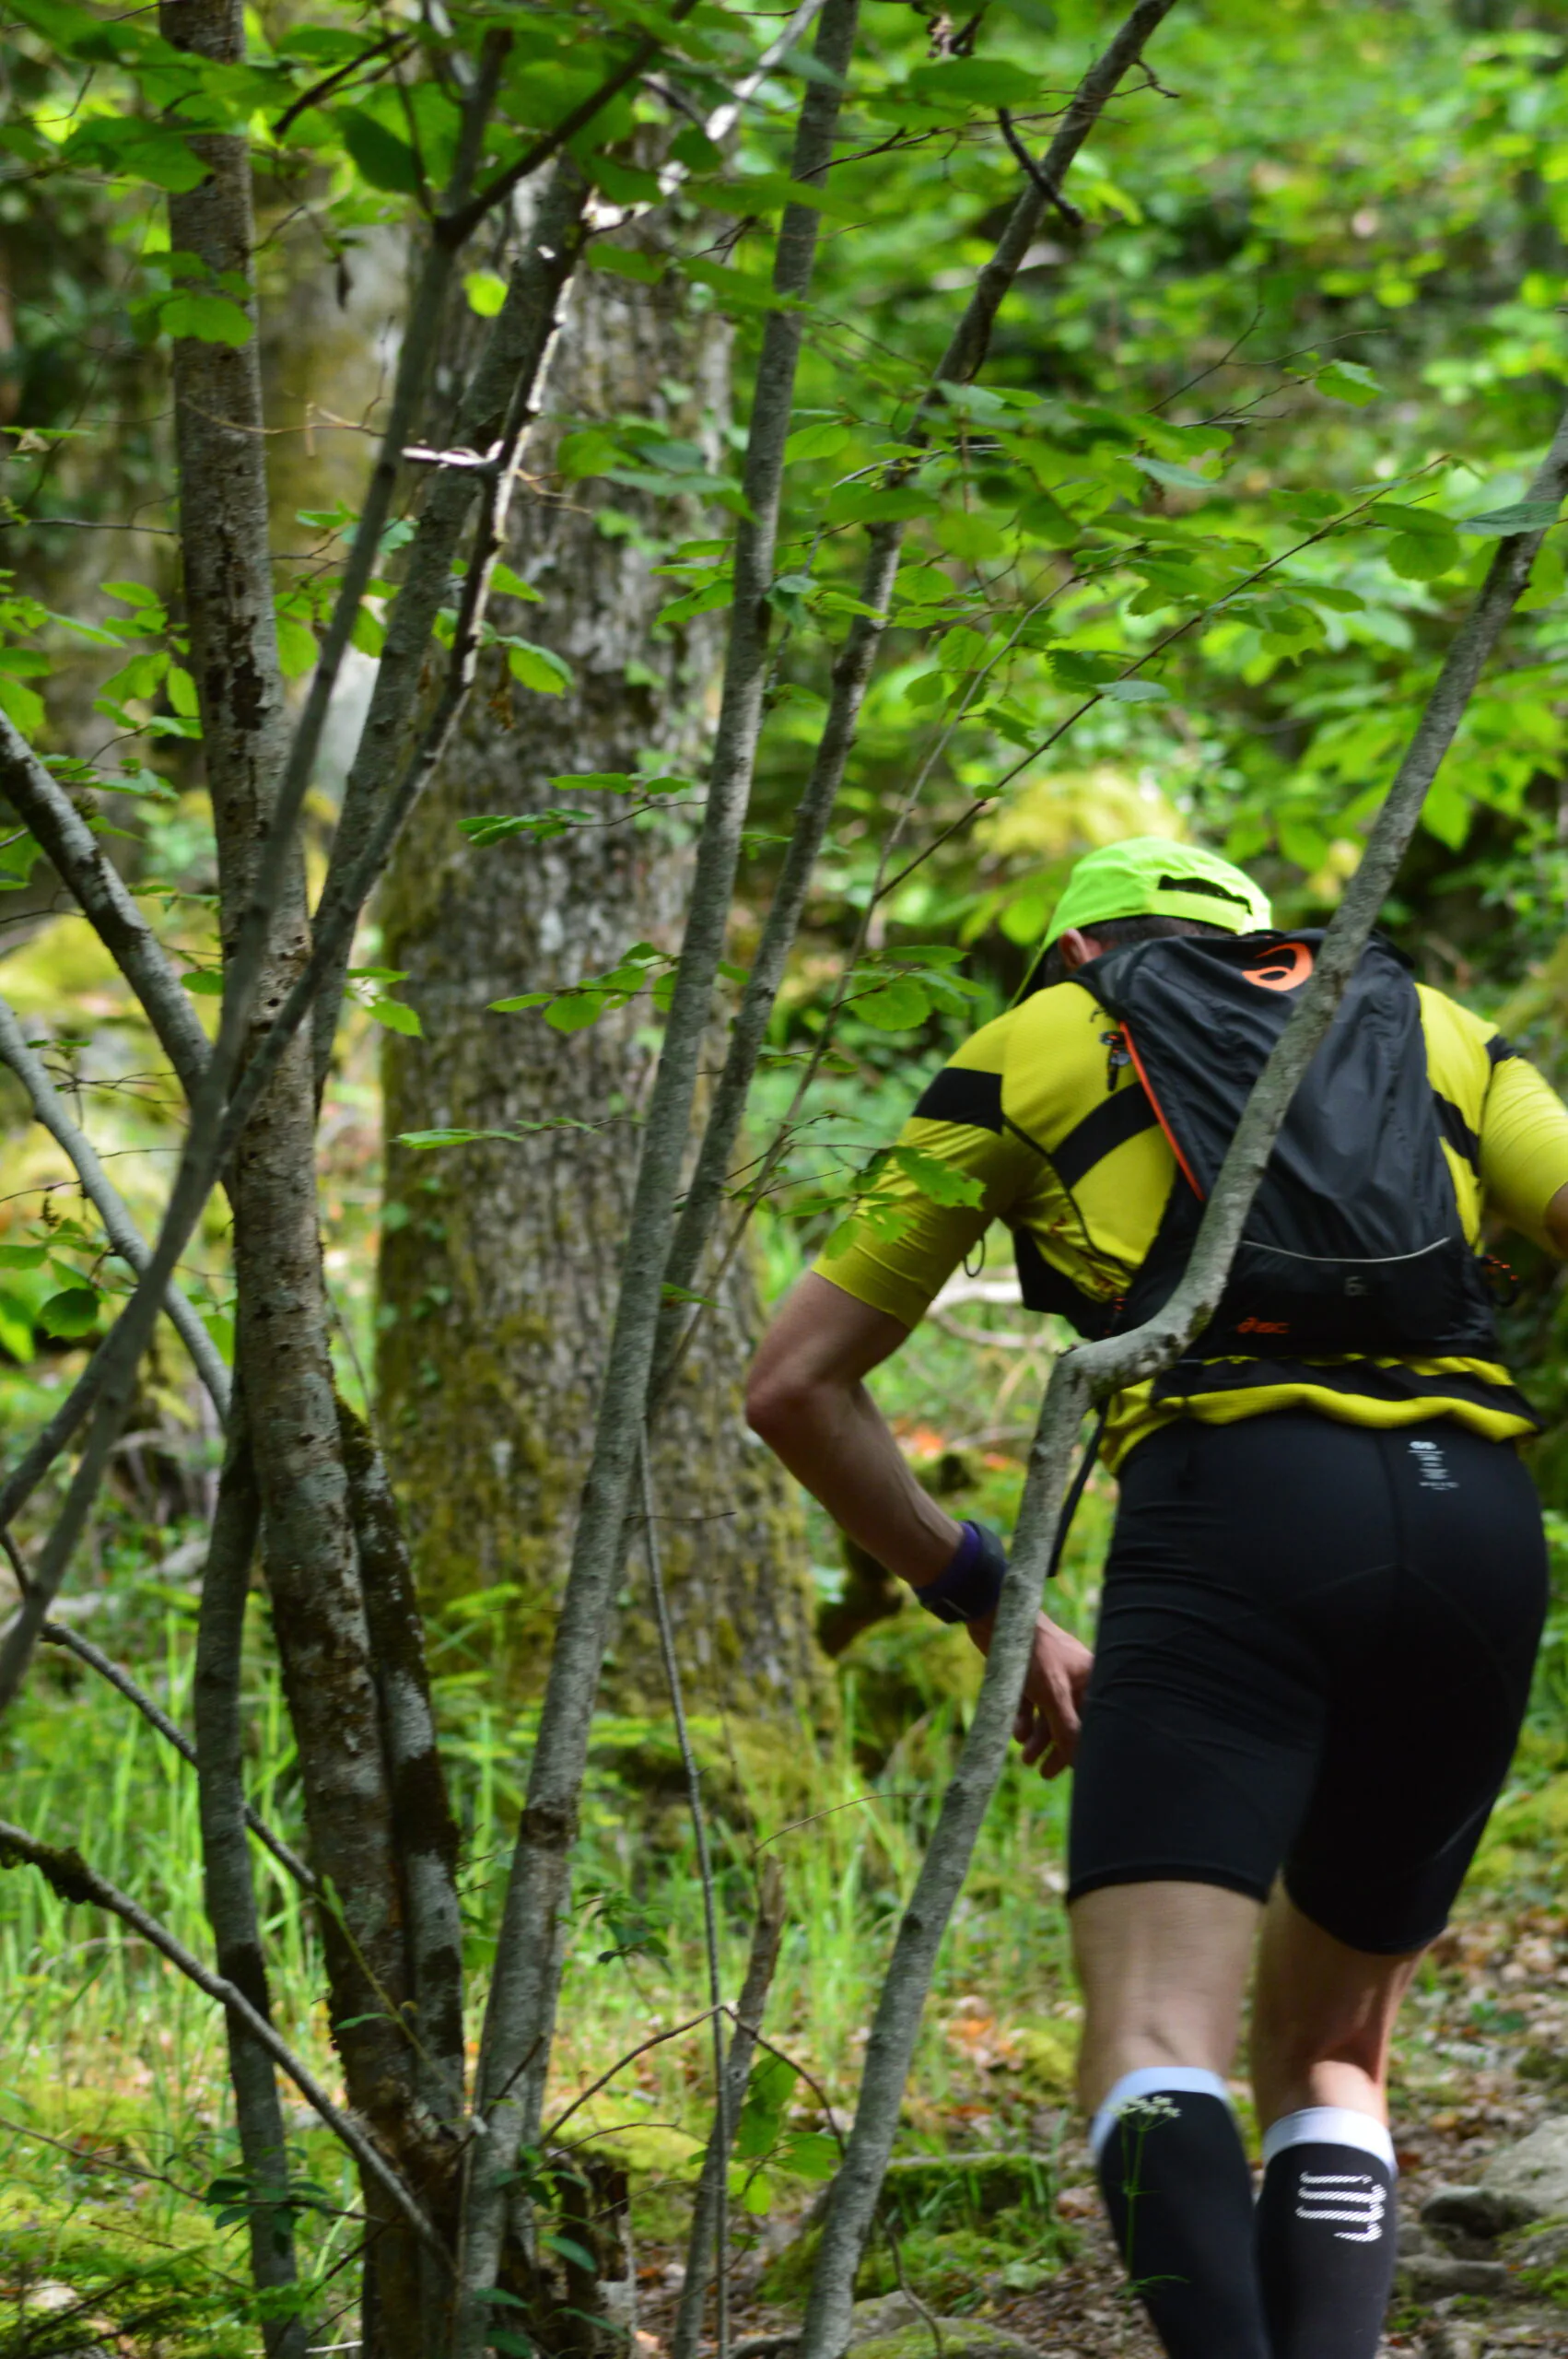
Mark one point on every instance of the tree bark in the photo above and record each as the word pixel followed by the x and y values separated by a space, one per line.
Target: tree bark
pixel 498 1262
pixel 230 1892
pixel 311 1555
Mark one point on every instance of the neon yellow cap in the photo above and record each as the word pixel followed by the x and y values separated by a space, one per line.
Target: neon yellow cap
pixel 1149 876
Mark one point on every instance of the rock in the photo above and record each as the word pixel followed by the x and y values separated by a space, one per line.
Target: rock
pixel 1432 2277
pixel 1546 2247
pixel 1413 2239
pixel 1449 2341
pixel 1471 2211
pixel 1531 2178
pixel 961 2338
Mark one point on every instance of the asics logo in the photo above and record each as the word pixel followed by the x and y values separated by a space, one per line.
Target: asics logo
pixel 1284 967
pixel 1329 2197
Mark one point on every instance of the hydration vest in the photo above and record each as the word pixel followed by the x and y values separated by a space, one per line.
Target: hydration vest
pixel 1354 1244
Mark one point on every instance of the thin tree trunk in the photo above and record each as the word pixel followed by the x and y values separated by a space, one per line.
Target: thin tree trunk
pixel 520 2021
pixel 1092 1371
pixel 851 673
pixel 515 352
pixel 230 1892
pixel 283 1337
pixel 767 1934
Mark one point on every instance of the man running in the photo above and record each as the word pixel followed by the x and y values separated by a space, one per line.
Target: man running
pixel 1328 1575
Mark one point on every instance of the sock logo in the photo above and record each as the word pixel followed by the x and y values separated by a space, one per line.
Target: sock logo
pixel 1360 2202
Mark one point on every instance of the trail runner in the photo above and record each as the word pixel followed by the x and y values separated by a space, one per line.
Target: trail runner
pixel 1328 1574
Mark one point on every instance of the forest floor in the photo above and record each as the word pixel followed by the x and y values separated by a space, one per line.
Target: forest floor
pixel 1483 2060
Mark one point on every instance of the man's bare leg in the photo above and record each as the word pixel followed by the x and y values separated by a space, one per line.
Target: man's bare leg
pixel 1163 1966
pixel 1323 2019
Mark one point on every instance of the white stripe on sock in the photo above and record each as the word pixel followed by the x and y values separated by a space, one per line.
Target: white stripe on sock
pixel 1152 2080
pixel 1331 2125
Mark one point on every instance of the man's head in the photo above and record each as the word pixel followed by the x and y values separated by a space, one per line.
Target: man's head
pixel 1143 888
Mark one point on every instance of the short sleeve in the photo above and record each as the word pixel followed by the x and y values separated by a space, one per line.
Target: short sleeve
pixel 909 1237
pixel 1523 1145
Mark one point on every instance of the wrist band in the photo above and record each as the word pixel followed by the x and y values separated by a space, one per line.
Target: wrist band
pixel 969 1584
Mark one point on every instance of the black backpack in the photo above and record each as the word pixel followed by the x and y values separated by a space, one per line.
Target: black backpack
pixel 1355 1242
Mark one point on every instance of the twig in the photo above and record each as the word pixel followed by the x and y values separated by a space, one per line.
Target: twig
pixel 120 1228
pixel 67 1873
pixel 719 2196
pixel 548 2135
pixel 1047 186
pixel 851 672
pixel 60 1633
pixel 38 798
pixel 767 1933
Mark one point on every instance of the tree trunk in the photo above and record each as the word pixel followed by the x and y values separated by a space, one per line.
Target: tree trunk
pixel 499 1258
pixel 309 1551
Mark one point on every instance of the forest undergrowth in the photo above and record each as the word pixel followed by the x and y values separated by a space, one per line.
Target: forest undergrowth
pixel 120 2219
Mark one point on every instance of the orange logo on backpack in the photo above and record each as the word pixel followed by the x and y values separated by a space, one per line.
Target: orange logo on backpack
pixel 1283 969
pixel 1263 1327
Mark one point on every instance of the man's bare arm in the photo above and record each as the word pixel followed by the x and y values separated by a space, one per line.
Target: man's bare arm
pixel 807 1398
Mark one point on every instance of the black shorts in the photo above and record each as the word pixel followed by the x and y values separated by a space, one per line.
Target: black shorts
pixel 1314 1655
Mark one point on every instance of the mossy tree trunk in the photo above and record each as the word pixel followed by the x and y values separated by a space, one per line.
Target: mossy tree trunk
pixel 499 1260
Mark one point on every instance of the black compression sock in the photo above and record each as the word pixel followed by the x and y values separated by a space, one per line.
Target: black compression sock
pixel 1326 2234
pixel 1179 2194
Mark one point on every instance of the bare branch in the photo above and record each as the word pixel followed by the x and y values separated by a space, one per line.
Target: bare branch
pixel 767 1933
pixel 60 1633
pixel 1092 1371
pixel 523 1991
pixel 38 799
pixel 121 1230
pixel 851 672
pixel 717 2217
pixel 68 1874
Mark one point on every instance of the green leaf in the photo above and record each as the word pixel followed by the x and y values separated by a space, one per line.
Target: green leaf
pixel 132 593
pixel 1502 523
pixel 383 159
pixel 627 262
pixel 538 669
pixel 21 704
pixel 507 584
pixel 899 1004
pixel 1178 478
pixel 296 647
pixel 810 2153
pixel 568 2249
pixel 1138 691
pixel 1422 556
pixel 205 982
pixel 866 504
pixel 1347 380
pixel 974 82
pixel 577 1012
pixel 71 1313
pixel 486 292
pixel 936 1178
pixel 397 1016
pixel 22 1257
pixel 693 148
pixel 210 319
pixel 823 441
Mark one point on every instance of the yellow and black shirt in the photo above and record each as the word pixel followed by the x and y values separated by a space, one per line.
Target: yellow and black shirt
pixel 1057 1129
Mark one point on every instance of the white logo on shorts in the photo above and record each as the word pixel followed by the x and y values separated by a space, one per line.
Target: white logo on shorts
pixel 1431 1467
pixel 1359 2202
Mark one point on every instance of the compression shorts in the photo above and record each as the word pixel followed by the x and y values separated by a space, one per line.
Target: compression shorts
pixel 1315 1653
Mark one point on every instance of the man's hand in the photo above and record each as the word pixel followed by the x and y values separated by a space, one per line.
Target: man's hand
pixel 1050 1715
